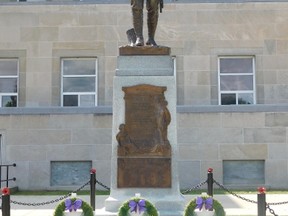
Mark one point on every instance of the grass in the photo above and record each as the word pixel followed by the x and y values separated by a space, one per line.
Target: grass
pixel 237 191
pixel 85 192
pixel 56 192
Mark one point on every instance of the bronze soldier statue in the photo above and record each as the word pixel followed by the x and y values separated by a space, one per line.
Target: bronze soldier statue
pixel 152 7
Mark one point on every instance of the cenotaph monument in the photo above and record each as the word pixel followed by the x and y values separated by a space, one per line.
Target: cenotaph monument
pixel 144 134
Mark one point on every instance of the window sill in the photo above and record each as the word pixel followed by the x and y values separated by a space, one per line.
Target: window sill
pixel 233 108
pixel 55 110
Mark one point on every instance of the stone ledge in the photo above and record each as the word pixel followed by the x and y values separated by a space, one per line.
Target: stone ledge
pixel 108 109
pixel 55 110
pixel 231 108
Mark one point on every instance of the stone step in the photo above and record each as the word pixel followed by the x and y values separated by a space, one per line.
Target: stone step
pixel 102 212
pixel 170 213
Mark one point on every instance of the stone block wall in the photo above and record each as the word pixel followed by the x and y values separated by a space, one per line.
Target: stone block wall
pixel 208 139
pixel 42 33
pixel 205 140
pixel 33 141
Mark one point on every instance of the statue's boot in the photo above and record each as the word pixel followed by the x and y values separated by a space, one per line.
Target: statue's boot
pixel 138 26
pixel 152 20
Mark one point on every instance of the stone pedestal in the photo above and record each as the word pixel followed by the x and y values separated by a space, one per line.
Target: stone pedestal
pixel 204 213
pixel 78 213
pixel 148 69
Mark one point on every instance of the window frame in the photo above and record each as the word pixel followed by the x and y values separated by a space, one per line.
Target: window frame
pixel 1 148
pixel 79 94
pixel 11 77
pixel 236 92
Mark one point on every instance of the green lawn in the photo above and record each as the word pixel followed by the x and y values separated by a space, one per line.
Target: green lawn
pixel 56 192
pixel 237 191
pixel 85 192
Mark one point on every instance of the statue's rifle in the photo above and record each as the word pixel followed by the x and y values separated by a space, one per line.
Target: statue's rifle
pixel 161 5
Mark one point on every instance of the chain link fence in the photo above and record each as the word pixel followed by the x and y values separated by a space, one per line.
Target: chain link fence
pixel 234 194
pixel 198 186
pixel 104 186
pixel 57 199
pixel 249 200
pixel 52 201
pixel 268 205
pixel 187 191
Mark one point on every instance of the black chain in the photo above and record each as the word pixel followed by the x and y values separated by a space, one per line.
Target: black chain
pixel 52 201
pixel 270 210
pixel 234 194
pixel 104 186
pixel 184 192
pixel 195 187
pixel 243 198
pixel 278 203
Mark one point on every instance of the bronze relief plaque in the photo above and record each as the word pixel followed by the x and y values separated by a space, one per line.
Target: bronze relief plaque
pixel 146 122
pixel 144 172
pixel 143 144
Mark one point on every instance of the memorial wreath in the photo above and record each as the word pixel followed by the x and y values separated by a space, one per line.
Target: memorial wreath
pixel 206 203
pixel 137 205
pixel 73 204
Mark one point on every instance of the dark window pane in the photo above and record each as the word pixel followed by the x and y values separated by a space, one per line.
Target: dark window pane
pixel 70 100
pixel 79 67
pixel 238 82
pixel 8 67
pixel 245 98
pixel 79 84
pixel 8 85
pixel 236 65
pixel 9 101
pixel 228 99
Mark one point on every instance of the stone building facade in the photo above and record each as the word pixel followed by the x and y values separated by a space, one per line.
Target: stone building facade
pixel 233 52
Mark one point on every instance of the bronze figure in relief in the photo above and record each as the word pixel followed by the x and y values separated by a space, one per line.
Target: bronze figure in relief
pixel 146 122
pixel 144 151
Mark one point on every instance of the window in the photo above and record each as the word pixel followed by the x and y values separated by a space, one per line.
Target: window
pixel 1 150
pixel 8 82
pixel 79 82
pixel 78 175
pixel 243 172
pixel 236 80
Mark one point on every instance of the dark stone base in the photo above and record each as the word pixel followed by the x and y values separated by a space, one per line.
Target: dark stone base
pixel 144 172
pixel 144 50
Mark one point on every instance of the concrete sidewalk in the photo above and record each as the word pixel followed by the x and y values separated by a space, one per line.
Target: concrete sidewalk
pixel 233 206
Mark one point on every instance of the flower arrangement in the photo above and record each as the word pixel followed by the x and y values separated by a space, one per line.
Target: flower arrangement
pixel 206 203
pixel 73 204
pixel 137 205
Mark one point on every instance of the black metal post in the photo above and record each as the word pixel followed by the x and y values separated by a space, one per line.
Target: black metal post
pixel 93 188
pixel 261 198
pixel 7 175
pixel 6 205
pixel 210 182
pixel 11 179
pixel 0 176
